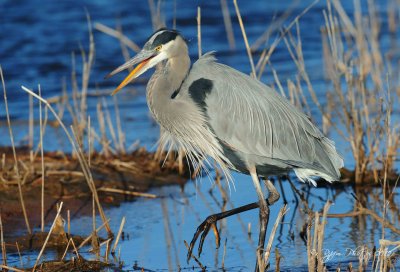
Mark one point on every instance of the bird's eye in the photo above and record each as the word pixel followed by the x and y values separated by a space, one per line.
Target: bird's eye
pixel 158 48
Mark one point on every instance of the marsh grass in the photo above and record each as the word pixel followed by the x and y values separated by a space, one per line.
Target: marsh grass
pixel 363 86
pixel 16 167
pixel 359 105
pixel 362 94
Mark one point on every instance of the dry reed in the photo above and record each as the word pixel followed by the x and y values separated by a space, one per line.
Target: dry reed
pixel 278 220
pixel 228 24
pixel 121 227
pixel 126 192
pixel 5 267
pixel 246 42
pixel 19 254
pixel 81 158
pixel 118 35
pixel 361 101
pixel 199 30
pixel 48 236
pixel 195 258
pixel 42 161
pixel 16 168
pixel 3 244
pixel 315 254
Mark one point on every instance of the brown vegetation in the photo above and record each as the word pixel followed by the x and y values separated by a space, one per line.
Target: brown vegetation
pixel 117 179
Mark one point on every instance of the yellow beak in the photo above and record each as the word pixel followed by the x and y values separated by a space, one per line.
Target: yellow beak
pixel 130 76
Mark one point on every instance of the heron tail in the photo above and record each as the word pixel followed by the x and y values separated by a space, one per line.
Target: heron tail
pixel 327 164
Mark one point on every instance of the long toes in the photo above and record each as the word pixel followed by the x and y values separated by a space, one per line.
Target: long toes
pixel 203 237
pixel 191 246
pixel 199 230
pixel 217 236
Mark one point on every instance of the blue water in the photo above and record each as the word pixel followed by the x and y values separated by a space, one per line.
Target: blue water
pixel 36 41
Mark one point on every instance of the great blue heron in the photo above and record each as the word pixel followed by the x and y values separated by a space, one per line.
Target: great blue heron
pixel 212 110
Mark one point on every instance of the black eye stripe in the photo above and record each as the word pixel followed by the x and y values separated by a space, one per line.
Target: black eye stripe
pixel 164 37
pixel 161 37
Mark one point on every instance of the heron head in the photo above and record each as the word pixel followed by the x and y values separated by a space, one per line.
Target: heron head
pixel 162 45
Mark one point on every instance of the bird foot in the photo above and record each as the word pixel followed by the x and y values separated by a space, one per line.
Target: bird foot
pixel 203 229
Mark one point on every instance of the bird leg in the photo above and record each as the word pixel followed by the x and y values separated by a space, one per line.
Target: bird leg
pixel 264 217
pixel 273 196
pixel 210 221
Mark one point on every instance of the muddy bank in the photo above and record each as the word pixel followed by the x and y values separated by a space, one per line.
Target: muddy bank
pixel 78 264
pixel 117 179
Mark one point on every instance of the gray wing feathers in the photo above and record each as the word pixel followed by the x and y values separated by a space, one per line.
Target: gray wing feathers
pixel 255 120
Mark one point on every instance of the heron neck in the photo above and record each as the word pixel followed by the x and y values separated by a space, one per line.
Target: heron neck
pixel 175 71
pixel 167 79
